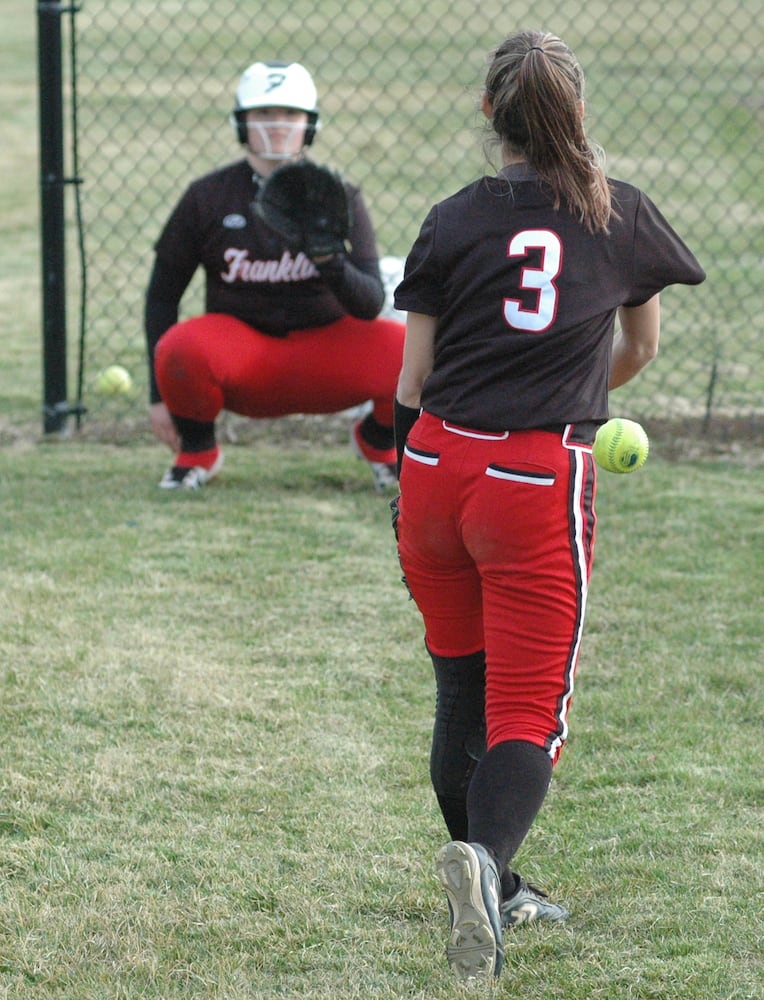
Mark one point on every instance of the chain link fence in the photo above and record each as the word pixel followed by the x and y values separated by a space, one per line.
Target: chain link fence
pixel 674 95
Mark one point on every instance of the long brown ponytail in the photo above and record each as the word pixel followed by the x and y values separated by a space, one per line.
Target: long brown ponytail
pixel 536 85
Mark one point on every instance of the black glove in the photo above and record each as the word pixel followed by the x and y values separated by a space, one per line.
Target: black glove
pixel 395 509
pixel 308 206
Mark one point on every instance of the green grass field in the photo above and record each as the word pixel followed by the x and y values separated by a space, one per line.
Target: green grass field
pixel 215 714
pixel 215 708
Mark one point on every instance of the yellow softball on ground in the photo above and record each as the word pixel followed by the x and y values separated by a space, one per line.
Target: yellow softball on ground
pixel 621 445
pixel 113 381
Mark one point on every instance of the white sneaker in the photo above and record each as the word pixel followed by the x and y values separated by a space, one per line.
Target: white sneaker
pixel 383 464
pixel 184 477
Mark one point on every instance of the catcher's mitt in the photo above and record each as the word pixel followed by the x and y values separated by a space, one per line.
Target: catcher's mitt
pixel 308 206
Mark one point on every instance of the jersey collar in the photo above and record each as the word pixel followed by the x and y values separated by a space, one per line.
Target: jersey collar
pixel 518 172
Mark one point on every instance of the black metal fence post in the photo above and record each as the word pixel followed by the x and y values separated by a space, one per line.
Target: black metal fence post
pixel 52 225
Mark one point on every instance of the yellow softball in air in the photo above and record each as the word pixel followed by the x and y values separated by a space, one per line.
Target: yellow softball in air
pixel 621 445
pixel 114 381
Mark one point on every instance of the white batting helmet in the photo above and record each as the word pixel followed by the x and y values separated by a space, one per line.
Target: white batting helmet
pixel 276 84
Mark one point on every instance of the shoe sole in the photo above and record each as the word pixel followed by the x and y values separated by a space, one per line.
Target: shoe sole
pixel 472 947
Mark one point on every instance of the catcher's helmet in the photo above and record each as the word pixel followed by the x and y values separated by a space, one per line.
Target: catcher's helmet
pixel 276 84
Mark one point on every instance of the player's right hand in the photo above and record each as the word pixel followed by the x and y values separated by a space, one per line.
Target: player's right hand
pixel 163 427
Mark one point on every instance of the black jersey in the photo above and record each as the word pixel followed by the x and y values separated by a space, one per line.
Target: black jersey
pixel 249 273
pixel 526 299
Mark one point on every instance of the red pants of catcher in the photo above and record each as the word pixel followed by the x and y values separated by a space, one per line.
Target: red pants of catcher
pixel 496 540
pixel 215 362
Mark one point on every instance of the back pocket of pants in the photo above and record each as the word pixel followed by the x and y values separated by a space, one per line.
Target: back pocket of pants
pixel 533 477
pixel 423 457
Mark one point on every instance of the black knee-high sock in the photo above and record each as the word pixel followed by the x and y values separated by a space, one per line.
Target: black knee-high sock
pixel 195 435
pixel 458 736
pixel 376 434
pixel 506 792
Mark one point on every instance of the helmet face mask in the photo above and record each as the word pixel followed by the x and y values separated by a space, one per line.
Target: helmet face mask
pixel 279 135
pixel 275 85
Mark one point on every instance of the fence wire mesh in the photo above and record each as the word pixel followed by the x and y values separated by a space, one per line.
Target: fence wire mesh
pixel 674 95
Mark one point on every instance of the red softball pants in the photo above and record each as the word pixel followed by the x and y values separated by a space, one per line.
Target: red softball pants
pixel 215 362
pixel 496 540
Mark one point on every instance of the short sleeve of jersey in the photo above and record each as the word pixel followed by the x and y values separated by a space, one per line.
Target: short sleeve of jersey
pixel 652 257
pixel 661 258
pixel 420 290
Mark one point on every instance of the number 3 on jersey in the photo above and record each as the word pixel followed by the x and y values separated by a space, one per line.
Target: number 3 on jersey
pixel 537 279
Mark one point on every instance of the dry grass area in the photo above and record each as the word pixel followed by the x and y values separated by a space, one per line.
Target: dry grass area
pixel 739 439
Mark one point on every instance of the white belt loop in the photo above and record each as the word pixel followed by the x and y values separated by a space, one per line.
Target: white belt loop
pixel 486 436
pixel 573 445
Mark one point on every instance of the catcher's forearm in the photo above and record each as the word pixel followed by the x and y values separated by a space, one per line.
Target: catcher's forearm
pixel 163 296
pixel 309 206
pixel 357 287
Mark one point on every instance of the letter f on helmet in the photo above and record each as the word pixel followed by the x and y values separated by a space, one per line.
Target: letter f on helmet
pixel 276 84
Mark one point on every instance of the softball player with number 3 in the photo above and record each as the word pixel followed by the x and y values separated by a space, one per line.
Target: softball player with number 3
pixel 512 289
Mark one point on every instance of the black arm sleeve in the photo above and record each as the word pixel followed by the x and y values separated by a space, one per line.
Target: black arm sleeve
pixel 354 279
pixel 356 285
pixel 163 297
pixel 405 417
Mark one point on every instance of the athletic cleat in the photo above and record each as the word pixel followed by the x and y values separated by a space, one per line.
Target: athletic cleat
pixel 184 477
pixel 471 881
pixel 385 477
pixel 382 462
pixel 529 904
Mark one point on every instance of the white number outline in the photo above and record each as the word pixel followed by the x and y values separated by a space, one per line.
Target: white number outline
pixel 538 279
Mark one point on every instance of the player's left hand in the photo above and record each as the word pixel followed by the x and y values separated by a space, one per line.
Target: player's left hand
pixel 395 514
pixel 395 510
pixel 307 205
